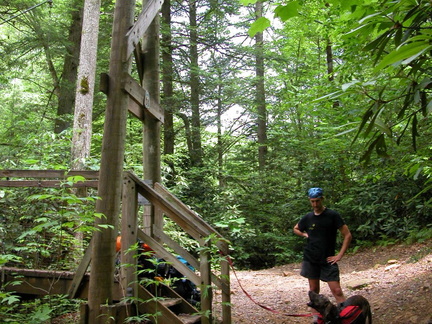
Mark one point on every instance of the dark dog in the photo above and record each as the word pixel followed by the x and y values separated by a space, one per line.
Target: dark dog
pixel 355 310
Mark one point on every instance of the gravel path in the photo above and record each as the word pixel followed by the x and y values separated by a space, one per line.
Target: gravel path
pixel 396 280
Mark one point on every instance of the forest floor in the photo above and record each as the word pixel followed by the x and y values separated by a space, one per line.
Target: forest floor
pixel 397 281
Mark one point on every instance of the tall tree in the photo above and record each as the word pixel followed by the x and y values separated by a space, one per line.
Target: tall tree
pixel 167 78
pixel 84 92
pixel 82 127
pixel 260 97
pixel 197 152
pixel 66 97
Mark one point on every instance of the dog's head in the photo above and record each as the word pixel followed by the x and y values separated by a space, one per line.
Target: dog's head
pixel 318 302
pixel 323 306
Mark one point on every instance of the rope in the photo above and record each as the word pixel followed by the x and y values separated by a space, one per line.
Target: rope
pixel 230 262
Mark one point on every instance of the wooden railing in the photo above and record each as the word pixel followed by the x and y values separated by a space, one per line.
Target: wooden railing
pixel 163 204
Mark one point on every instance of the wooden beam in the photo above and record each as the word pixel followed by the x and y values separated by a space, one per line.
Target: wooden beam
pixel 189 258
pixel 80 273
pixel 192 217
pixel 47 174
pixel 168 257
pixel 176 247
pixel 140 27
pixel 129 226
pixel 141 98
pixel 46 183
pixel 47 282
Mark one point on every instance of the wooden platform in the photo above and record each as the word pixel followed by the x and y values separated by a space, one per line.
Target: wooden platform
pixel 38 283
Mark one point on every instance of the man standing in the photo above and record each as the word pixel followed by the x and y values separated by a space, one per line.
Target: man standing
pixel 320 228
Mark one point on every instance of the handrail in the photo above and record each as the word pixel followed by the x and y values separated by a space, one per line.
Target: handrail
pixel 195 226
pixel 56 178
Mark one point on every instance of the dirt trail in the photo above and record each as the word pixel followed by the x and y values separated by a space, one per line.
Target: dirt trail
pixel 396 280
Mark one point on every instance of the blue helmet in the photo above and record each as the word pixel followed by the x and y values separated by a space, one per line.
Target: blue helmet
pixel 315 193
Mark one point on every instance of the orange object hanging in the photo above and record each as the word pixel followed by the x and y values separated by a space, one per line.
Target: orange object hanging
pixel 118 243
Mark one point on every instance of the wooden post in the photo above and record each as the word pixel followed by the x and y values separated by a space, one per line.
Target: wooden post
pixel 129 229
pixel 111 169
pixel 225 278
pixel 148 219
pixel 206 288
pixel 152 137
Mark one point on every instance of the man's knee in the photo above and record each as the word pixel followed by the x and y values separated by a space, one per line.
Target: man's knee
pixel 337 291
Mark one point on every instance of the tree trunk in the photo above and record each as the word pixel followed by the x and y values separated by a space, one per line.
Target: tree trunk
pixel 167 79
pixel 82 127
pixel 111 170
pixel 260 93
pixel 196 154
pixel 66 97
pixel 330 70
pixel 219 134
pixel 168 93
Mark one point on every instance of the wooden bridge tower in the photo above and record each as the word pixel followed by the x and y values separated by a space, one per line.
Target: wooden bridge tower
pixel 139 39
pixel 119 190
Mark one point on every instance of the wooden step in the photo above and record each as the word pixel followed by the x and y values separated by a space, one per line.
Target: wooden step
pixel 189 319
pixel 169 302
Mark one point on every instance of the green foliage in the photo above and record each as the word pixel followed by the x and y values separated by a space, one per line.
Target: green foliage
pixel 38 311
pixel 49 238
pixel 258 26
pixel 385 211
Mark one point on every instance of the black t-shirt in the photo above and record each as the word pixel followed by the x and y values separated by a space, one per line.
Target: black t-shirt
pixel 322 232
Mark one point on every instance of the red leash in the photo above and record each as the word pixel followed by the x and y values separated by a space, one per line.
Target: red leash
pixel 254 301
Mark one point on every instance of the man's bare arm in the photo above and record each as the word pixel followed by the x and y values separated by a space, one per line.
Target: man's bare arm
pixel 298 232
pixel 345 244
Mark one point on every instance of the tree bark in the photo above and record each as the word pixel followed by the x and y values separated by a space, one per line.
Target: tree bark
pixel 82 127
pixel 330 69
pixel 84 92
pixel 196 154
pixel 260 92
pixel 66 97
pixel 167 78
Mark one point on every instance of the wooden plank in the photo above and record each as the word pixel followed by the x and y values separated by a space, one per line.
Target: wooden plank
pixel 141 97
pixel 129 226
pixel 136 109
pixel 47 183
pixel 63 174
pixel 226 293
pixel 189 258
pixel 36 282
pixel 206 288
pixel 144 20
pixel 47 282
pixel 80 272
pixel 176 247
pixel 168 257
pixel 150 194
pixel 205 228
pixel 159 313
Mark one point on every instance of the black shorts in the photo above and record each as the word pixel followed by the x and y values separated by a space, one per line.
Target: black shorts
pixel 322 271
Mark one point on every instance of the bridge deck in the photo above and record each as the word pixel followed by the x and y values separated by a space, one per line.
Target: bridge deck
pixel 45 282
